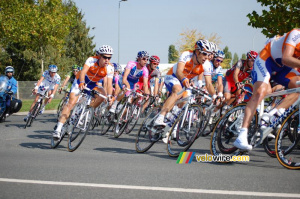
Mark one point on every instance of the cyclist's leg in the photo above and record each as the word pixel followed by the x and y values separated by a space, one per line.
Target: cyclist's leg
pixel 73 98
pixel 173 85
pixel 261 77
pixel 98 100
pixel 288 78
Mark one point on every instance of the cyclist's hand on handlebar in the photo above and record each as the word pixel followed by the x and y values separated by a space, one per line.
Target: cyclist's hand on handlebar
pixel 185 82
pixel 238 85
pixel 82 85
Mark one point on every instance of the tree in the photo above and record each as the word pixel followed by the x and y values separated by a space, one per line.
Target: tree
pixel 173 54
pixel 235 58
pixel 34 33
pixel 244 56
pixel 280 17
pixel 188 38
pixel 228 57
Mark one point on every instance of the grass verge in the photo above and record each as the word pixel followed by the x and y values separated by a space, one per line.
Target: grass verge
pixel 27 103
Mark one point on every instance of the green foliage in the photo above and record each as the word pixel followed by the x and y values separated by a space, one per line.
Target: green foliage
pixel 280 17
pixel 244 56
pixel 36 33
pixel 173 54
pixel 227 60
pixel 235 58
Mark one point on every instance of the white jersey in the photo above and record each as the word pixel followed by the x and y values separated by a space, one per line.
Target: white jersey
pixel 52 81
pixel 110 71
pixel 210 70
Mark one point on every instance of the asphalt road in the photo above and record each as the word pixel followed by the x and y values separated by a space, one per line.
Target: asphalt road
pixel 106 167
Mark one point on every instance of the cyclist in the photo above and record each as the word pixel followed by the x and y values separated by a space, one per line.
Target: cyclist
pixel 49 81
pixel 131 75
pixel 277 61
pixel 70 77
pixel 234 76
pixel 154 75
pixel 94 69
pixel 190 64
pixel 213 73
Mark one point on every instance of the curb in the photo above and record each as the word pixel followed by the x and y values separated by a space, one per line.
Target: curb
pixel 45 112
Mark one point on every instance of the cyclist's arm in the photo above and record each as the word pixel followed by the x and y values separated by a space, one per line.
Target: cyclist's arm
pixel 288 59
pixel 209 85
pixel 83 73
pixel 40 81
pixel 125 81
pixel 220 84
pixel 55 89
pixel 236 75
pixel 65 82
pixel 108 84
pixel 156 86
pixel 145 85
pixel 179 71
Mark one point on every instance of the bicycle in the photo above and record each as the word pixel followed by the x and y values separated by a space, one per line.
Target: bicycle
pixel 148 135
pixel 35 110
pixel 244 96
pixel 226 129
pixel 129 112
pixel 190 124
pixel 78 124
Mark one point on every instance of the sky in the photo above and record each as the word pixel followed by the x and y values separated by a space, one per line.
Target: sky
pixel 153 25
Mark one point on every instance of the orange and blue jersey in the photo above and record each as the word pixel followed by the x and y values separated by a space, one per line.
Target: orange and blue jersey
pixel 269 62
pixel 190 70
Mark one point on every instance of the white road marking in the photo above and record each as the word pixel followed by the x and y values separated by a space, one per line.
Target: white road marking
pixel 148 188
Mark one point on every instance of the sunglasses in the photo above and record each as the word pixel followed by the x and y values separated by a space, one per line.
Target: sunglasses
pixel 145 59
pixel 205 53
pixel 221 61
pixel 75 70
pixel 104 57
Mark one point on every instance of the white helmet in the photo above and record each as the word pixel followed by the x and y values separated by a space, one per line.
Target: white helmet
pixel 105 49
pixel 214 47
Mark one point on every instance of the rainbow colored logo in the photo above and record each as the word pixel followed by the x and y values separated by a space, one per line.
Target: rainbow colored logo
pixel 185 158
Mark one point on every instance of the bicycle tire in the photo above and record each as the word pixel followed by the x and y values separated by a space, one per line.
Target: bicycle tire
pixel 55 143
pixel 287 145
pixel 121 124
pixel 269 145
pixel 79 136
pixel 144 141
pixel 185 135
pixel 32 114
pixel 226 131
pixel 135 115
pixel 61 105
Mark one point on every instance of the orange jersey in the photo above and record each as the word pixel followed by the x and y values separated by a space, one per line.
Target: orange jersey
pixel 189 70
pixel 95 72
pixel 275 46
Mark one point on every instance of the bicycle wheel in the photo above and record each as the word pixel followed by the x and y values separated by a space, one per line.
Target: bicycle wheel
pixel 122 119
pixel 185 130
pixel 80 129
pixel 33 114
pixel 287 145
pixel 226 131
pixel 134 117
pixel 106 122
pixel 61 105
pixel 144 139
pixel 55 143
pixel 269 145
